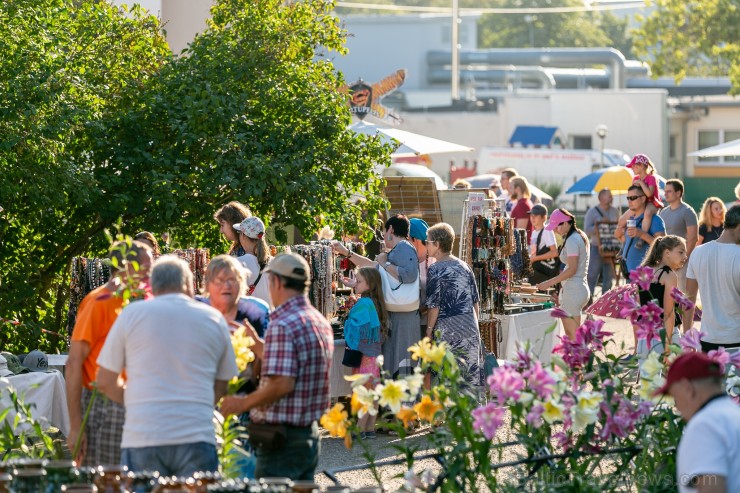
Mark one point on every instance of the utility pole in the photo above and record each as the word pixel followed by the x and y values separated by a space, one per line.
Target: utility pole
pixel 455 35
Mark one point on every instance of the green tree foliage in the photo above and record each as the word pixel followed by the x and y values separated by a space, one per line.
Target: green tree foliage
pixel 692 38
pixel 505 30
pixel 551 30
pixel 98 120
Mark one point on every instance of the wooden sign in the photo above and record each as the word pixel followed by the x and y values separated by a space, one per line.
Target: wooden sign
pixel 606 234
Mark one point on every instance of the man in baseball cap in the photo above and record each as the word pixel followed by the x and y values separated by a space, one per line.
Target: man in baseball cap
pixel 294 390
pixel 709 452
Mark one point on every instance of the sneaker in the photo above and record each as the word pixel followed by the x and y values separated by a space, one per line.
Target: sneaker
pixel 369 435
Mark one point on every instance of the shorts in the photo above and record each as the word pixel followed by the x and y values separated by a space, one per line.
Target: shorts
pixel 573 297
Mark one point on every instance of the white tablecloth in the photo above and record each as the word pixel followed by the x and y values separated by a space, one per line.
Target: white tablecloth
pixel 45 390
pixel 530 326
pixel 338 386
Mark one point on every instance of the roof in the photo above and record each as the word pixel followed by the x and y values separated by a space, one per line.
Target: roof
pixel 531 135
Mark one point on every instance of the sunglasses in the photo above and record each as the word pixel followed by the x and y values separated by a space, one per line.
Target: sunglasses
pixel 634 197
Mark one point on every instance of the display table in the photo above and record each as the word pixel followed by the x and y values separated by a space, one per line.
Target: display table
pixel 338 386
pixel 44 389
pixel 529 326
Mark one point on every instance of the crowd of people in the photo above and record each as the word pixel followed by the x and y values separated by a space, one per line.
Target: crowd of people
pixel 174 357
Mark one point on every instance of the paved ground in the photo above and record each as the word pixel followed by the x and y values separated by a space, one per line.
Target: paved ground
pixel 334 455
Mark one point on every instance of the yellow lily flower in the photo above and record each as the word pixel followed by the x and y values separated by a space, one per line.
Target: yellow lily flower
pixel 427 408
pixel 242 344
pixel 436 353
pixel 407 415
pixel 335 421
pixel 419 350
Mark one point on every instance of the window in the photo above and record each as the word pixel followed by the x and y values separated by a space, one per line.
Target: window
pixel 709 138
pixel 672 146
pixel 582 142
pixel 731 135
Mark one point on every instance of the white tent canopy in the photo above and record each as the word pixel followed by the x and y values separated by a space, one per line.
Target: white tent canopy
pixel 727 149
pixel 411 144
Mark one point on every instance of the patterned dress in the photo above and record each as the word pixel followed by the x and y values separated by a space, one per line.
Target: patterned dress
pixel 451 288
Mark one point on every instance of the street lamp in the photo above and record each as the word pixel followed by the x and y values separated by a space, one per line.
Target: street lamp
pixel 601 131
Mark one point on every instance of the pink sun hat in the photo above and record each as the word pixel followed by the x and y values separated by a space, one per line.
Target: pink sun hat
pixel 640 159
pixel 556 219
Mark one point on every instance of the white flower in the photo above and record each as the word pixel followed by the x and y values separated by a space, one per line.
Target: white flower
pixel 367 399
pixel 652 366
pixel 525 398
pixel 415 382
pixel 358 380
pixel 586 411
pixel 732 384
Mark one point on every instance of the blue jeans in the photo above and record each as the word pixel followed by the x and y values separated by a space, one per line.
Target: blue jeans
pixel 597 266
pixel 297 460
pixel 172 460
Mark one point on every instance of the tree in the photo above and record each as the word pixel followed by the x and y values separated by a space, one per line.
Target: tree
pixel 104 123
pixel 692 38
pixel 505 30
pixel 64 68
pixel 577 29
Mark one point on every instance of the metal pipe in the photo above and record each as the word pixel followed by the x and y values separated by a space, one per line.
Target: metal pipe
pixel 550 57
pixel 536 74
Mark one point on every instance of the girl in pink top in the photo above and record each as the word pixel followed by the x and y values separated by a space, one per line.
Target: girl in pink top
pixel 645 178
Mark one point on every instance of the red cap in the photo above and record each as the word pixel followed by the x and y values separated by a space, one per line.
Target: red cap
pixel 691 366
pixel 640 159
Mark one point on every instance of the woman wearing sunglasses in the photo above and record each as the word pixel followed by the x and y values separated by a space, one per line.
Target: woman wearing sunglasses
pixel 574 255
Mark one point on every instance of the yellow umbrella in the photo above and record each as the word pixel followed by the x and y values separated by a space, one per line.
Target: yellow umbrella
pixel 616 178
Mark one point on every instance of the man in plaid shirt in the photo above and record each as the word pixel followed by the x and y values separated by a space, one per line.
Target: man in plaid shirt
pixel 294 389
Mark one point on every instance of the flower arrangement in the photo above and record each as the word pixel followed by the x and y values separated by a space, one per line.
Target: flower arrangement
pixel 589 409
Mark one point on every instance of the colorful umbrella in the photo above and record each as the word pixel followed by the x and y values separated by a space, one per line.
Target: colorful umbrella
pixel 616 178
pixel 606 304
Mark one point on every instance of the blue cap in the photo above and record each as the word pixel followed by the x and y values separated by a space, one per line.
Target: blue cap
pixel 418 228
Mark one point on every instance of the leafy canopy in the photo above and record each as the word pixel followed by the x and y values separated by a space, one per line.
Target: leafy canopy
pixel 699 38
pixel 100 121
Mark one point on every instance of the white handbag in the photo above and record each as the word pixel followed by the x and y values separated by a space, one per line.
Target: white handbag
pixel 399 296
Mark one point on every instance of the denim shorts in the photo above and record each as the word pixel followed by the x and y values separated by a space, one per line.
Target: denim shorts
pixel 172 460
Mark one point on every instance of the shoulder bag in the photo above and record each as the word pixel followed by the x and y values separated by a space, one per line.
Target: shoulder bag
pixel 352 358
pixel 399 296
pixel 549 267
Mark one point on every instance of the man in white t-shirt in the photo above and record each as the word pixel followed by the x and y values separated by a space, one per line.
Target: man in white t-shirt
pixel 714 271
pixel 545 265
pixel 709 452
pixel 177 356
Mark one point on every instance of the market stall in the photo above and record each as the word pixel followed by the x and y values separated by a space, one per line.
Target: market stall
pixel 44 392
pixel 511 312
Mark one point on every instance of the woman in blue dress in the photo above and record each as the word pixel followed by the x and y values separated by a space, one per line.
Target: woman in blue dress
pixel 453 301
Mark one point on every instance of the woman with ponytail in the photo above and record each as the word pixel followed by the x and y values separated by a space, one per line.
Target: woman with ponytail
pixel 666 255
pixel 574 255
pixel 257 256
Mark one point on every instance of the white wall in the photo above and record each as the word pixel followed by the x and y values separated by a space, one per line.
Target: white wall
pixel 635 120
pixel 183 19
pixel 380 45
